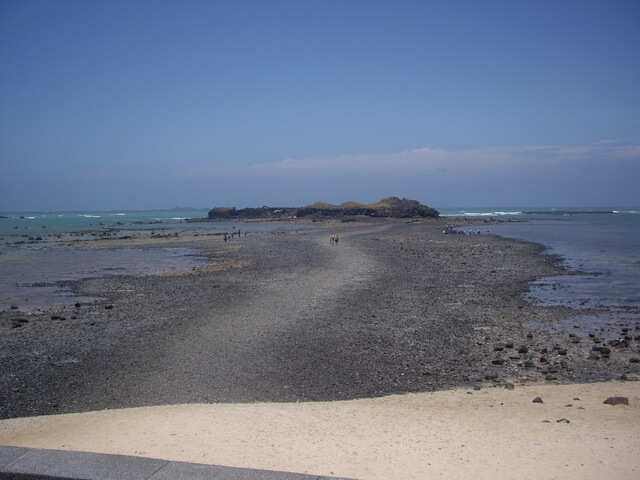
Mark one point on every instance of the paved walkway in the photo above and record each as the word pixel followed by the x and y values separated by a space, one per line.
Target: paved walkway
pixel 18 463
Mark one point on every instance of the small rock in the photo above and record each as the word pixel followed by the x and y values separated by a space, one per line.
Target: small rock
pixel 537 400
pixel 551 377
pixel 563 420
pixel 108 307
pixel 634 360
pixel 523 349
pixel 498 361
pixel 616 401
pixel 491 375
pixel 509 386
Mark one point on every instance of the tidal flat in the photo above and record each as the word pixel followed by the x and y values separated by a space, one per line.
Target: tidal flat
pixel 287 316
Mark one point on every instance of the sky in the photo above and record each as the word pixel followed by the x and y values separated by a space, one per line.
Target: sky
pixel 112 105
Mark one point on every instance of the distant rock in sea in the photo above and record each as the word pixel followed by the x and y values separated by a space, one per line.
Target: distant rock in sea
pixel 391 207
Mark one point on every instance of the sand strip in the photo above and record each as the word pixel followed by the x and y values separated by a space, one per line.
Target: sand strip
pixel 491 433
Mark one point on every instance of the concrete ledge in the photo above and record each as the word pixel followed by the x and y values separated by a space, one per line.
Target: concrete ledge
pixel 18 463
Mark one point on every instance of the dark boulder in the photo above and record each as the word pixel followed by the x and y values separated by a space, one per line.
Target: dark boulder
pixel 616 401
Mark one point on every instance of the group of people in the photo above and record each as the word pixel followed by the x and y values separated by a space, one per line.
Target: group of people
pixel 334 239
pixel 229 236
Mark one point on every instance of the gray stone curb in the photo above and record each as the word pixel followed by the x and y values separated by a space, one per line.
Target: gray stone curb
pixel 19 463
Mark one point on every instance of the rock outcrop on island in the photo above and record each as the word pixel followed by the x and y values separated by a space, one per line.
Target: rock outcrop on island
pixel 391 207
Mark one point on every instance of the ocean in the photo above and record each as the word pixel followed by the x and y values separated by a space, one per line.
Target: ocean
pixel 36 250
pixel 602 245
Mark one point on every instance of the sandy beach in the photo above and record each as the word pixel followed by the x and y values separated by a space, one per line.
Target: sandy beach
pixel 399 353
pixel 489 434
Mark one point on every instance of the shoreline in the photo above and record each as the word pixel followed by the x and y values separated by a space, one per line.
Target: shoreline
pixel 397 307
pixel 400 353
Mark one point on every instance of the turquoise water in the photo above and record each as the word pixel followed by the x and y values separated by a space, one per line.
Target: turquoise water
pixel 38 223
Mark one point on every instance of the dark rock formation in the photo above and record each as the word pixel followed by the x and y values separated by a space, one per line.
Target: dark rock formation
pixel 616 401
pixel 391 207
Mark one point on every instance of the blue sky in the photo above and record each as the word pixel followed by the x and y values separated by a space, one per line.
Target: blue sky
pixel 154 104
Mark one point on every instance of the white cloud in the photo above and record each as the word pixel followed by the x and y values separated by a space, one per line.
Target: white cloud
pixel 420 162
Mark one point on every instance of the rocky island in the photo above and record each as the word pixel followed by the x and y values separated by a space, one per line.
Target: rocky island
pixel 390 207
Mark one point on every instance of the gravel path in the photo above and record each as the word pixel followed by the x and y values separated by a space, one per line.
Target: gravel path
pixel 392 308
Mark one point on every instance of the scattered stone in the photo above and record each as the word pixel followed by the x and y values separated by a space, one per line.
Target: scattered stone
pixel 551 377
pixel 523 349
pixel 593 356
pixel 108 307
pixel 616 401
pixel 14 307
pixel 509 386
pixel 563 420
pixel 537 400
pixel 498 361
pixel 634 360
